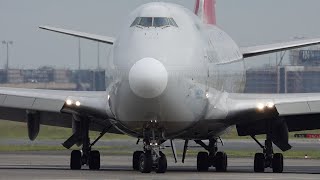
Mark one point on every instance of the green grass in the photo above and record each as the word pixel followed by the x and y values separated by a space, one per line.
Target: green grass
pixel 17 130
pixel 232 134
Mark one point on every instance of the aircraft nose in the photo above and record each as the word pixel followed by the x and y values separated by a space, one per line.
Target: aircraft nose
pixel 148 78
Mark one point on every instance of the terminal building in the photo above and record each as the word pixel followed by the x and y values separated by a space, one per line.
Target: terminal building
pixel 301 75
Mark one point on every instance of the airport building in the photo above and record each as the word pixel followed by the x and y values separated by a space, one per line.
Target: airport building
pixel 301 75
pixel 50 78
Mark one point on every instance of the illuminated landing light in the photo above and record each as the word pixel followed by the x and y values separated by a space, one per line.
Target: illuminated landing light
pixel 69 102
pixel 78 103
pixel 270 105
pixel 108 97
pixel 207 95
pixel 260 106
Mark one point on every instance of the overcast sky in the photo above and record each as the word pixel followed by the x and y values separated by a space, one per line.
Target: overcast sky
pixel 248 22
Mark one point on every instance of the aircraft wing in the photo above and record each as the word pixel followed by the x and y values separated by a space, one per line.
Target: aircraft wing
pixel 271 48
pixel 102 39
pixel 55 108
pixel 252 112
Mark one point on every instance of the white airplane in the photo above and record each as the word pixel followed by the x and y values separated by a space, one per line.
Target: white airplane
pixel 175 75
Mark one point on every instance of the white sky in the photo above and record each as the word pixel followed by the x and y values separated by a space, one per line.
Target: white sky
pixel 248 22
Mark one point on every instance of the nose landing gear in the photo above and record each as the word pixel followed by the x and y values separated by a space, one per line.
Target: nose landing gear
pixel 151 158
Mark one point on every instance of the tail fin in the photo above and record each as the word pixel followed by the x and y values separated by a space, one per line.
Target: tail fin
pixel 206 10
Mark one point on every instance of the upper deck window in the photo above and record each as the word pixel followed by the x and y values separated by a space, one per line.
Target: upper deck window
pixel 154 22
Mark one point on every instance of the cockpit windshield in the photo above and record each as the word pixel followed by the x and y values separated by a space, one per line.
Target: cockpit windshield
pixel 159 22
pixel 154 22
pixel 145 22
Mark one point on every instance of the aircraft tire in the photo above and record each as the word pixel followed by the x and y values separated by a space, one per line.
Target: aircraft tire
pixel 277 163
pixel 203 162
pixel 94 160
pixel 136 159
pixel 221 162
pixel 259 162
pixel 145 162
pixel 162 164
pixel 75 160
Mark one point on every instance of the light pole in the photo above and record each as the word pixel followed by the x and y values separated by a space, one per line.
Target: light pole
pixel 7 43
pixel 98 63
pixel 79 53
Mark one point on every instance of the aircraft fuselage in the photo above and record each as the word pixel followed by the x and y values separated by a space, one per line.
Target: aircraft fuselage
pixel 162 75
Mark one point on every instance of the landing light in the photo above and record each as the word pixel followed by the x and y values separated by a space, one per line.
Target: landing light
pixel 260 106
pixel 78 103
pixel 270 105
pixel 69 102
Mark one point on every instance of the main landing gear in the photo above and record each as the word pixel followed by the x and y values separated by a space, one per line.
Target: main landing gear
pixel 268 159
pixel 86 156
pixel 213 158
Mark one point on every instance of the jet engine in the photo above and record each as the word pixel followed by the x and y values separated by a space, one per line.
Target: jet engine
pixel 33 123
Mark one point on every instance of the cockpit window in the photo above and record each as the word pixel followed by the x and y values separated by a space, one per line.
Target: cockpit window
pixel 160 22
pixel 154 22
pixel 136 21
pixel 145 22
pixel 172 22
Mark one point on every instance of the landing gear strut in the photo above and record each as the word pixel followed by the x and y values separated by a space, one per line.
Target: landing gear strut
pixel 86 156
pixel 216 159
pixel 268 159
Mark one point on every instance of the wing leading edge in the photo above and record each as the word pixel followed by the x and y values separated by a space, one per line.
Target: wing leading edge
pixel 271 48
pixel 55 108
pixel 93 37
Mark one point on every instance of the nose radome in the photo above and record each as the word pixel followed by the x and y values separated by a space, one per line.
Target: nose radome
pixel 148 78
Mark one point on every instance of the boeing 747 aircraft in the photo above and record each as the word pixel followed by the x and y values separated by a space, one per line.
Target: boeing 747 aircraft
pixel 175 75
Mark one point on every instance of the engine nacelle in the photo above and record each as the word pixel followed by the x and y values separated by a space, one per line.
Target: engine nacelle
pixel 33 123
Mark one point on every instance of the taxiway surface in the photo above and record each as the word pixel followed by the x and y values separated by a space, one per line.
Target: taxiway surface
pixel 56 166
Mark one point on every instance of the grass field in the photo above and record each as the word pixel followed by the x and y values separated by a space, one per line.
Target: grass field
pixel 16 130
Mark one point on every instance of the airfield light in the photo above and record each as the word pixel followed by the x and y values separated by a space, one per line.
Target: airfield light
pixel 69 102
pixel 78 103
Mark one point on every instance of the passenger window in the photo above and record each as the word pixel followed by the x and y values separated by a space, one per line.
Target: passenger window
pixel 160 22
pixel 145 22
